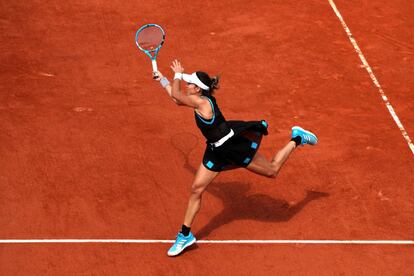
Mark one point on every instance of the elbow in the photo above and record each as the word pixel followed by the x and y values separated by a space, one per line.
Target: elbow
pixel 176 101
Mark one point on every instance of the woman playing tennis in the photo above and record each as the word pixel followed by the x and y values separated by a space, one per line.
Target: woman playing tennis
pixel 230 144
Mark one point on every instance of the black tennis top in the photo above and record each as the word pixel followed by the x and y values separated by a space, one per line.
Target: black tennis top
pixel 215 128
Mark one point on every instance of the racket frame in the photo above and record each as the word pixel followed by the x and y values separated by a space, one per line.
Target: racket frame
pixel 154 52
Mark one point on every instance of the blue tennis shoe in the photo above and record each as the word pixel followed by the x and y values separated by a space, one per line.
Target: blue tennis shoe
pixel 181 243
pixel 307 136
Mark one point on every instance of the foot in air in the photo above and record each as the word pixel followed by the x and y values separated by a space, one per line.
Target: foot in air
pixel 306 136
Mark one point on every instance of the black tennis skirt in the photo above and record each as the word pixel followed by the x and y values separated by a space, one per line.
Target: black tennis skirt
pixel 239 150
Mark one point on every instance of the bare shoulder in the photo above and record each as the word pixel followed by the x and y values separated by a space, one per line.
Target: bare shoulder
pixel 203 102
pixel 204 107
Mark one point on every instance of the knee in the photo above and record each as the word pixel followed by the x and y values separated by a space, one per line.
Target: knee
pixel 271 174
pixel 197 190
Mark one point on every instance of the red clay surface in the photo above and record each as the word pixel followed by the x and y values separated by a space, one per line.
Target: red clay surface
pixel 91 147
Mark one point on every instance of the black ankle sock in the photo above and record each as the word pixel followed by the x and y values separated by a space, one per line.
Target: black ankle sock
pixel 185 230
pixel 297 140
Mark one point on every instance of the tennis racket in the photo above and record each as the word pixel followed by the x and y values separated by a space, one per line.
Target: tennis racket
pixel 149 39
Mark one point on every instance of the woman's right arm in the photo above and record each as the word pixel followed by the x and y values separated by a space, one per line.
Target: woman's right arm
pixel 167 86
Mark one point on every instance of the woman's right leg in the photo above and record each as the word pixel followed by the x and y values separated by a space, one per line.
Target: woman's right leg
pixel 262 166
pixel 185 238
pixel 202 178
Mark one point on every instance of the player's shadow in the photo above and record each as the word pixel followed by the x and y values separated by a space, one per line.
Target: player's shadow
pixel 238 205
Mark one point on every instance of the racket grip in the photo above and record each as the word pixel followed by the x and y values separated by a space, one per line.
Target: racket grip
pixel 154 69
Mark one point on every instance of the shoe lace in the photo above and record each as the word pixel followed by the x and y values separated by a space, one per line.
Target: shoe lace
pixel 180 240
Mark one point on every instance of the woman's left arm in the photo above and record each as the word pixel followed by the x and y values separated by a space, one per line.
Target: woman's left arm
pixel 176 92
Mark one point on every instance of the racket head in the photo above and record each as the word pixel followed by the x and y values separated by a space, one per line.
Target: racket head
pixel 150 38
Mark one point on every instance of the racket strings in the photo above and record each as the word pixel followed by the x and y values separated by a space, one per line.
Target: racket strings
pixel 150 38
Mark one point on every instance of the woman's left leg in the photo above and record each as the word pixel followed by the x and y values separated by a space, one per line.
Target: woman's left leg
pixel 262 166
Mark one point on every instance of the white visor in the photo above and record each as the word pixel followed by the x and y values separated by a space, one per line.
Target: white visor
pixel 195 80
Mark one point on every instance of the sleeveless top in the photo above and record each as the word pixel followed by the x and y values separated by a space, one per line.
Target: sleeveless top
pixel 215 128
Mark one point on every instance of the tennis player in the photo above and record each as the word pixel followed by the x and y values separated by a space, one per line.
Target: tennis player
pixel 230 144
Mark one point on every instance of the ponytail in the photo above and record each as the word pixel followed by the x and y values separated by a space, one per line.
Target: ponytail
pixel 212 83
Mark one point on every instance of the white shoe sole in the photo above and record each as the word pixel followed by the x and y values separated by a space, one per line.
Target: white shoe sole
pixel 182 249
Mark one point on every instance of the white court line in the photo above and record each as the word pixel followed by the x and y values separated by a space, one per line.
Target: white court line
pixel 373 242
pixel 373 78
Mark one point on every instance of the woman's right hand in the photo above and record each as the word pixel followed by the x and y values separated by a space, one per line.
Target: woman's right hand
pixel 159 76
pixel 177 67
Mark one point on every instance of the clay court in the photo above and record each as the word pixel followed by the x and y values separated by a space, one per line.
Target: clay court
pixel 91 148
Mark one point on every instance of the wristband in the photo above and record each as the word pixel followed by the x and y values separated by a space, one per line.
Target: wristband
pixel 164 82
pixel 178 76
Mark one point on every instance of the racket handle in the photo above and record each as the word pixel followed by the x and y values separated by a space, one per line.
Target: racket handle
pixel 154 69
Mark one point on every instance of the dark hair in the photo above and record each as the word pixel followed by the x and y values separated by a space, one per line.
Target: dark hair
pixel 212 83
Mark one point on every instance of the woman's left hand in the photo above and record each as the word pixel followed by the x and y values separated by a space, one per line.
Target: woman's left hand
pixel 177 67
